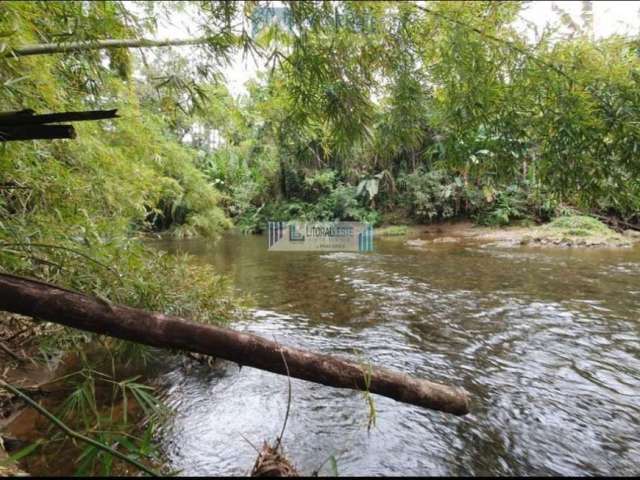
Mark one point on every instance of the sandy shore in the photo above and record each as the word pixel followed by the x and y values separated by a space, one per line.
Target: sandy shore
pixel 543 236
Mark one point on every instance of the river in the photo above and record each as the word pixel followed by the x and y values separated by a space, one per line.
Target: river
pixel 547 341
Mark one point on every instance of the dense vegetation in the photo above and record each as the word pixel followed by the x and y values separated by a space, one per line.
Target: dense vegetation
pixel 373 111
pixel 71 212
pixel 402 112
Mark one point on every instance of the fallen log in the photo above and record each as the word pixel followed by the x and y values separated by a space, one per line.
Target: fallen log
pixel 55 304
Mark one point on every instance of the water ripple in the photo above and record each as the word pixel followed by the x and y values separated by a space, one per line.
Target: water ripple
pixel 548 344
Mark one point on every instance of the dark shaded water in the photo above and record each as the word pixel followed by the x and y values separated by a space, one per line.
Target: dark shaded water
pixel 546 341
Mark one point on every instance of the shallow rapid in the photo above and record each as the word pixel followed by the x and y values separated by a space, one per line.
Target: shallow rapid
pixel 547 342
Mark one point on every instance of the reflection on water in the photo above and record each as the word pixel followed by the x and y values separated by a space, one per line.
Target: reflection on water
pixel 546 341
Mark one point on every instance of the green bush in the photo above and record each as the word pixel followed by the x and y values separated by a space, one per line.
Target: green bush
pixel 579 225
pixel 392 231
pixel 510 204
pixel 517 201
pixel 339 204
pixel 437 195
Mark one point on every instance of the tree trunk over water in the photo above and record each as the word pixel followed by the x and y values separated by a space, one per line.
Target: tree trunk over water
pixel 55 304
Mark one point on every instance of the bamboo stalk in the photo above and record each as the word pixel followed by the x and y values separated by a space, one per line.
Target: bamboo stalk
pixel 65 47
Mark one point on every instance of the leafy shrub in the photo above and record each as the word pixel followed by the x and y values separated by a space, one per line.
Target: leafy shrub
pixel 517 201
pixel 436 195
pixel 510 204
pixel 341 203
pixel 321 182
pixel 439 195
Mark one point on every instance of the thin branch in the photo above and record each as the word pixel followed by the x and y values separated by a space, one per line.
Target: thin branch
pixel 286 416
pixel 65 47
pixel 72 433
pixel 60 247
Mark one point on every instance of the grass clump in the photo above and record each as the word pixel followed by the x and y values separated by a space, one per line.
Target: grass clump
pixel 392 231
pixel 580 230
pixel 580 225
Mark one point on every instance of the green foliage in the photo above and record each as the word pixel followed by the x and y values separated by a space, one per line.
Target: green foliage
pixel 516 201
pixel 111 411
pixel 323 181
pixel 71 209
pixel 454 89
pixel 341 203
pixel 509 204
pixel 439 195
pixel 435 110
pixel 436 194
pixel 71 212
pixel 579 230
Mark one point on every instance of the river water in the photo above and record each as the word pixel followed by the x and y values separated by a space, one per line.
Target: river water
pixel 547 341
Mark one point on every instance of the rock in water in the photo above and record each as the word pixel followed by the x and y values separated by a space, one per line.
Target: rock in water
pixel 416 243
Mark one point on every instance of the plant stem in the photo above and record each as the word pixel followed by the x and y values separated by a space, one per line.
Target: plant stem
pixel 72 433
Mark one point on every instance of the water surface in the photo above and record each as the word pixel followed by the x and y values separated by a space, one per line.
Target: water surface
pixel 546 341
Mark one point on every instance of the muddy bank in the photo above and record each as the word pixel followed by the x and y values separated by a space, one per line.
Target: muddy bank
pixel 23 364
pixel 18 350
pixel 50 379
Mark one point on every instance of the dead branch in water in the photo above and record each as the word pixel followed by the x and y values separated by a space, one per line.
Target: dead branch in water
pixel 272 463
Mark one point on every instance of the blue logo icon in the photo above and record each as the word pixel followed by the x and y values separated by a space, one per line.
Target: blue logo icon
pixel 365 240
pixel 295 236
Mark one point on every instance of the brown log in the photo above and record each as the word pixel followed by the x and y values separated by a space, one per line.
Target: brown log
pixel 36 132
pixel 55 304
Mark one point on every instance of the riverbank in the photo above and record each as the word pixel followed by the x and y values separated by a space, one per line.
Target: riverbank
pixel 564 232
pixel 69 381
pixel 17 351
